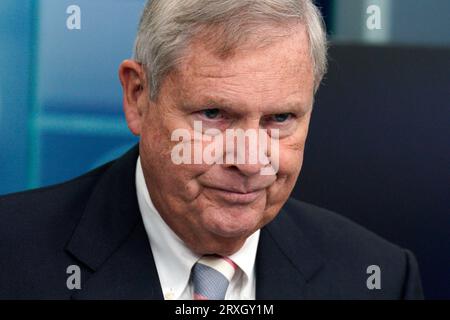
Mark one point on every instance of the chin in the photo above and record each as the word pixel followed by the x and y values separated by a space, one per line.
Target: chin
pixel 232 223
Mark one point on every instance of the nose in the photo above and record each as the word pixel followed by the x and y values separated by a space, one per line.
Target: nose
pixel 248 170
pixel 247 150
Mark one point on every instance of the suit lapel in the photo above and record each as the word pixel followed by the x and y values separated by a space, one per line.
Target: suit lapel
pixel 129 273
pixel 285 261
pixel 111 239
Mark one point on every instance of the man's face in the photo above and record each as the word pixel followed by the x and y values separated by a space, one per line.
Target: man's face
pixel 214 208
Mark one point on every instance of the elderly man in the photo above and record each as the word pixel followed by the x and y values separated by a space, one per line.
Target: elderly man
pixel 151 226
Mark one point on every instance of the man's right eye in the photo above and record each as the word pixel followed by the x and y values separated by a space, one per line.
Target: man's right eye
pixel 211 114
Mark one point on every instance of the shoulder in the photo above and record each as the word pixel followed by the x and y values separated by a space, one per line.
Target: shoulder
pixel 59 197
pixel 35 216
pixel 352 252
pixel 332 230
pixel 38 225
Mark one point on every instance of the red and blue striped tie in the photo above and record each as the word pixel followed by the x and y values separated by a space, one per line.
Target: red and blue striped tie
pixel 211 276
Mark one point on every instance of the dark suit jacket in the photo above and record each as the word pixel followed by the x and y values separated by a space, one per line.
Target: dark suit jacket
pixel 94 222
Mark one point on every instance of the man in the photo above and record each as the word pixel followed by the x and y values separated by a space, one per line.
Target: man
pixel 150 226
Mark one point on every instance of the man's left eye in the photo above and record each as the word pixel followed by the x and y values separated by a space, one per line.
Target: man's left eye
pixel 282 117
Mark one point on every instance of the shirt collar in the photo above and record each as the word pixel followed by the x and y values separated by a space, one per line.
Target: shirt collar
pixel 169 250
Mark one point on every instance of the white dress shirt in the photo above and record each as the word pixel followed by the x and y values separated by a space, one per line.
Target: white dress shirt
pixel 174 259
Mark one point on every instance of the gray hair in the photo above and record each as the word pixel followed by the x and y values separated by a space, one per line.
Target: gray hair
pixel 167 27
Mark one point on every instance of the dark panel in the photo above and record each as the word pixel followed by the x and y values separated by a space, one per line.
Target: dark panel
pixel 378 150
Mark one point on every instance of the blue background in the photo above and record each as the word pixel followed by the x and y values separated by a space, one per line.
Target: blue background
pixel 60 97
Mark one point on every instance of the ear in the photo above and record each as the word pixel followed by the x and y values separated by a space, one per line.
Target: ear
pixel 135 94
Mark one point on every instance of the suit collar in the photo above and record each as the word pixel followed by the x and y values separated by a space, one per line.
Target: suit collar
pixel 286 260
pixel 110 229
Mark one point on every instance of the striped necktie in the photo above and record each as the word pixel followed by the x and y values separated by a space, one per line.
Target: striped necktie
pixel 211 276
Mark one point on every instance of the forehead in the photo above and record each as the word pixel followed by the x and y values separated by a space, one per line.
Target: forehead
pixel 281 70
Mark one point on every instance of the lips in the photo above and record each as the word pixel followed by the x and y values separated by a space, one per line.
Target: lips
pixel 236 197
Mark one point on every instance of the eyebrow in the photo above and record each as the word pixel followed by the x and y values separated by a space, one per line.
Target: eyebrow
pixel 236 107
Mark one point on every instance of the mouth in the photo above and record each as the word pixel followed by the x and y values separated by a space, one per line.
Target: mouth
pixel 235 197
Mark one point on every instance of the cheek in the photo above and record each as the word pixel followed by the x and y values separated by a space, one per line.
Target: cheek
pixel 290 165
pixel 291 157
pixel 175 181
pixel 154 150
pixel 156 138
pixel 292 149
